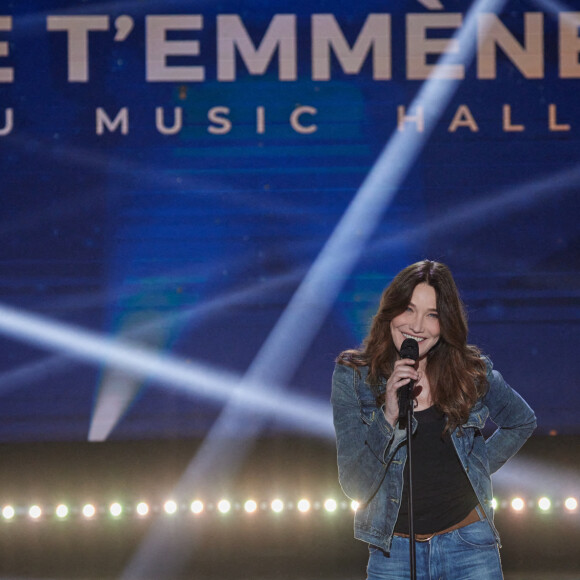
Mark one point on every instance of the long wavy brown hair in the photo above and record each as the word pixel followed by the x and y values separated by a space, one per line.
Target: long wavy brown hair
pixel 455 369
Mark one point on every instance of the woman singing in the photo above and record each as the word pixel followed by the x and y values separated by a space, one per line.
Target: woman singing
pixel 455 392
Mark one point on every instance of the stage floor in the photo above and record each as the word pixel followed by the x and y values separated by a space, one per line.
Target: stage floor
pixel 238 546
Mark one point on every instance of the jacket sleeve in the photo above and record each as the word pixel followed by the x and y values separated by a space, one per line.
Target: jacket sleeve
pixel 365 440
pixel 514 418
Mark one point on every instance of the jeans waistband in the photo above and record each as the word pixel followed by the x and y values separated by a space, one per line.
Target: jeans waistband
pixel 475 515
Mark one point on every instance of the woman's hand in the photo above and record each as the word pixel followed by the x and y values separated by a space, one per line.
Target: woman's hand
pixel 403 372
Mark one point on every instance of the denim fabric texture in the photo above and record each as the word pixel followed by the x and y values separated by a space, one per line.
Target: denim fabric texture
pixel 469 553
pixel 371 453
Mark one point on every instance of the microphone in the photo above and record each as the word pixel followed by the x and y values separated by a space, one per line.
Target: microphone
pixel 409 349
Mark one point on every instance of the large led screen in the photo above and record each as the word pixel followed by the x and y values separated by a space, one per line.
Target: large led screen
pixel 202 202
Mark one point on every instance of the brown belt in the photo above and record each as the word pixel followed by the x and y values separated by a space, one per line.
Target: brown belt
pixel 472 517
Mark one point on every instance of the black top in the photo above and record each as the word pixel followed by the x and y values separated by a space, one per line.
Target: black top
pixel 442 493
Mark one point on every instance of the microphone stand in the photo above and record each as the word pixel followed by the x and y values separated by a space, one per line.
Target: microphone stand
pixel 406 411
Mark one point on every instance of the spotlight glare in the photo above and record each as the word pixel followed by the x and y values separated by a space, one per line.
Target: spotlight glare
pixel 35 512
pixel 354 505
pixel 142 508
pixel 494 503
pixel 250 506
pixel 8 512
pixel 571 504
pixel 196 506
pixel 170 507
pixel 115 509
pixel 277 505
pixel 303 505
pixel 61 511
pixel 224 506
pixel 544 504
pixel 89 511
pixel 330 505
pixel 518 504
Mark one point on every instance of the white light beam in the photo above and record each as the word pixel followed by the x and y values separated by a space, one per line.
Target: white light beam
pixel 194 378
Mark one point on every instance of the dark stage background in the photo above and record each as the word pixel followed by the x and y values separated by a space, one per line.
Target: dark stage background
pixel 201 204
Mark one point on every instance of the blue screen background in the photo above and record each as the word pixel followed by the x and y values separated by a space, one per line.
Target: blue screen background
pixel 190 247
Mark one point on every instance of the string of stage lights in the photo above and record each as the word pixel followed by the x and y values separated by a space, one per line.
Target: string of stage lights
pixel 225 506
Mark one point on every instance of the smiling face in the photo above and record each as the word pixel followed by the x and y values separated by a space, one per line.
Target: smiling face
pixel 419 321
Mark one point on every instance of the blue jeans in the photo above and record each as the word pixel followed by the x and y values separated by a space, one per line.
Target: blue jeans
pixel 468 553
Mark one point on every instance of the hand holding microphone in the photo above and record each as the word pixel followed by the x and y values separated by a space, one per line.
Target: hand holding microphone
pixel 409 350
pixel 402 381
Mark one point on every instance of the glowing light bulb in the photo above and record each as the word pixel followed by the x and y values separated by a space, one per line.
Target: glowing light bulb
pixel 170 507
pixel 544 504
pixel 142 508
pixel 224 506
pixel 330 505
pixel 196 506
pixel 61 511
pixel 115 509
pixel 277 505
pixel 35 512
pixel 250 506
pixel 303 505
pixel 89 510
pixel 518 504
pixel 8 512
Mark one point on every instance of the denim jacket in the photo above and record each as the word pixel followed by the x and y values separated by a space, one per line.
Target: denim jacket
pixel 372 454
